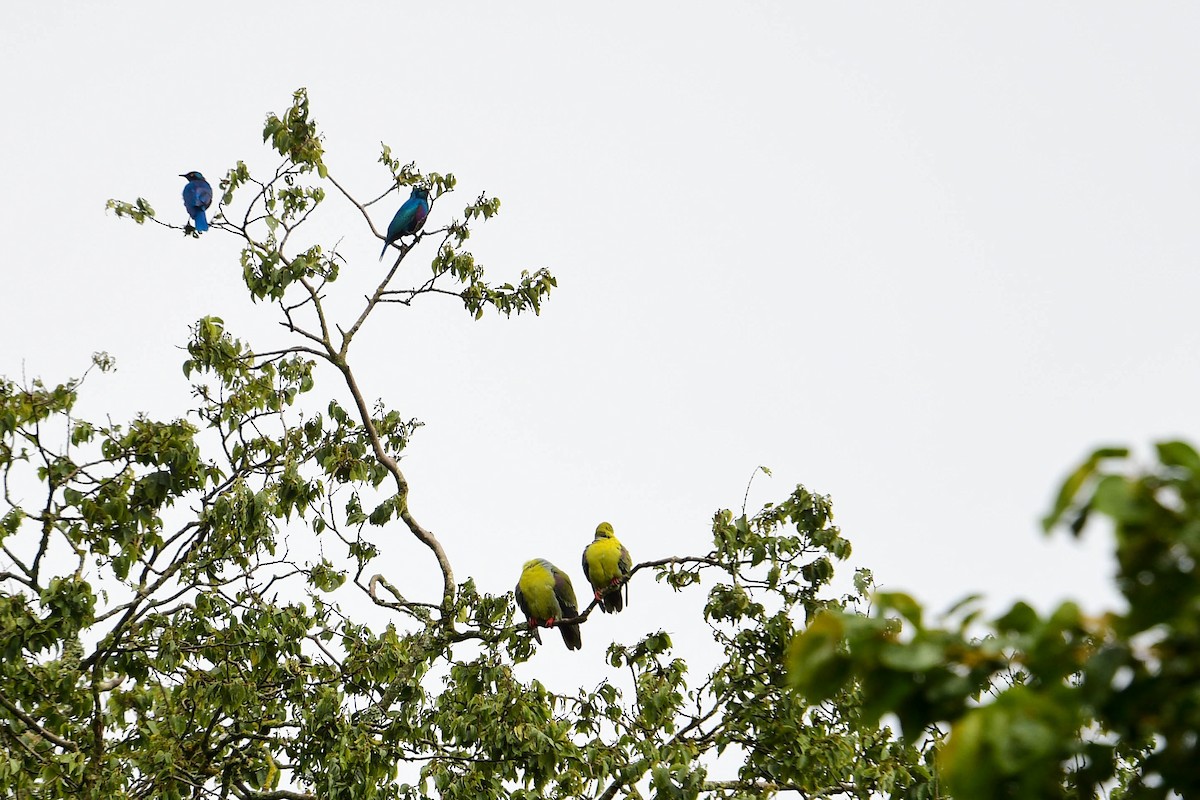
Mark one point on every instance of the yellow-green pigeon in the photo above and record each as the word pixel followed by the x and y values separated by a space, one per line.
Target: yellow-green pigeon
pixel 545 595
pixel 606 563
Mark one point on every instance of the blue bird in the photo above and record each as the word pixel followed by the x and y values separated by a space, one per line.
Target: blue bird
pixel 197 196
pixel 409 218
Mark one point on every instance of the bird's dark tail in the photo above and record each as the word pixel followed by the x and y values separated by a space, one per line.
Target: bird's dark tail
pixel 383 252
pixel 571 636
pixel 570 633
pixel 201 221
pixel 611 603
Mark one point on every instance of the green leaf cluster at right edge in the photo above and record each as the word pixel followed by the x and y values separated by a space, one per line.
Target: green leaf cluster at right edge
pixel 1058 704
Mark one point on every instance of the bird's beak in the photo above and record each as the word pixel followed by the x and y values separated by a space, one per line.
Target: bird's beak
pixel 183 174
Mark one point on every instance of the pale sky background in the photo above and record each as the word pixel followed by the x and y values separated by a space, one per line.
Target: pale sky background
pixel 920 257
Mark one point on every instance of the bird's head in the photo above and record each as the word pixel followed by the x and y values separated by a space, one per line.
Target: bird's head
pixel 532 563
pixel 421 192
pixel 192 176
pixel 604 531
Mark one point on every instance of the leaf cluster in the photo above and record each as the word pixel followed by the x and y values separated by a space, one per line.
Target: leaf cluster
pixel 1054 705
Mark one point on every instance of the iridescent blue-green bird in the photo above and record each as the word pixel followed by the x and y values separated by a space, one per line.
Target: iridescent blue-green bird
pixel 607 564
pixel 545 595
pixel 409 218
pixel 197 197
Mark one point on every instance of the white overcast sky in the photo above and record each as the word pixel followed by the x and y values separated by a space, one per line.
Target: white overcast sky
pixel 921 257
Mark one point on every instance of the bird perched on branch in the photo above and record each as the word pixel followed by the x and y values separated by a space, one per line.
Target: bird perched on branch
pixel 545 595
pixel 197 197
pixel 606 563
pixel 409 218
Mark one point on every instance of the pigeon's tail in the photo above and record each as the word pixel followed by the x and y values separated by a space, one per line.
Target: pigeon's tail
pixel 570 634
pixel 201 221
pixel 611 603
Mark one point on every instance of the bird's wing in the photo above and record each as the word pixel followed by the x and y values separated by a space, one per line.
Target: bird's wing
pixel 522 603
pixel 399 222
pixel 587 571
pixel 565 593
pixel 203 194
pixel 626 565
pixel 411 216
pixel 419 215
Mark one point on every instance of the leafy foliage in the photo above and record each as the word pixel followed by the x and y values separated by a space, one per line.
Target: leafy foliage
pixel 1056 705
pixel 189 607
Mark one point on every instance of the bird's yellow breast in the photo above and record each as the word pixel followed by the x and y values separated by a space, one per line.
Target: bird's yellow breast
pixel 604 561
pixel 537 584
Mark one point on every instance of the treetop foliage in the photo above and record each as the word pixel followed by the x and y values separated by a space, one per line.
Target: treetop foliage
pixel 195 607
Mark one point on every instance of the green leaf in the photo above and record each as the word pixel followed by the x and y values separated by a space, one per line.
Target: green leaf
pixel 816 666
pixel 1076 481
pixel 1021 618
pixel 917 656
pixel 1179 454
pixel 1116 496
pixel 902 604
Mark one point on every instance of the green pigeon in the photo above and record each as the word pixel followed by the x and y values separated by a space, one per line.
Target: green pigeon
pixel 545 595
pixel 606 563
